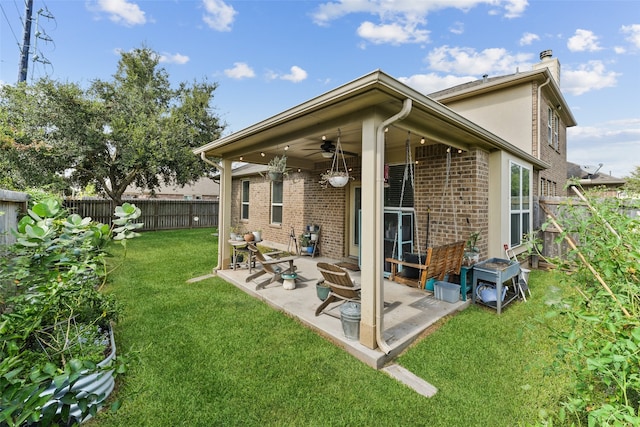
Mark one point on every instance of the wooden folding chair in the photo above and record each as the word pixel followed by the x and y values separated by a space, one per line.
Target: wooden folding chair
pixel 342 288
pixel 274 267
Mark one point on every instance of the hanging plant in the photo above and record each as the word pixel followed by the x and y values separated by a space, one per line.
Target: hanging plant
pixel 276 169
pixel 338 176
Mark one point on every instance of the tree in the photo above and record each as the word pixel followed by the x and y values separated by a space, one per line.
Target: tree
pixel 134 129
pixel 633 181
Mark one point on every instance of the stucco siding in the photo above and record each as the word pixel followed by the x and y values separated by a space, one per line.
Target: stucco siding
pixel 506 113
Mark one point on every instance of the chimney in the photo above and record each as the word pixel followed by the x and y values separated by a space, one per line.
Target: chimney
pixel 484 78
pixel 547 60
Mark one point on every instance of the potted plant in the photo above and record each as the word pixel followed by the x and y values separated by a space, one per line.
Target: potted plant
pixel 249 237
pixel 472 253
pixel 304 242
pixel 57 353
pixel 234 230
pixel 257 235
pixel 322 290
pixel 277 168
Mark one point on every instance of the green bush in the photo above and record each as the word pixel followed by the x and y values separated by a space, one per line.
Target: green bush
pixel 54 320
pixel 600 348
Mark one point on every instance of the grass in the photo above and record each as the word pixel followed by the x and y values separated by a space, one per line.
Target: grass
pixel 206 354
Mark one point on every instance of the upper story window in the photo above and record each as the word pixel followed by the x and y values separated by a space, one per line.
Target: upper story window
pixel 550 126
pixel 520 206
pixel 245 200
pixel 556 132
pixel 276 202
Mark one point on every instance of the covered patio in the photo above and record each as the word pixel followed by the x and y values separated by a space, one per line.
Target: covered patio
pixel 408 312
pixel 382 123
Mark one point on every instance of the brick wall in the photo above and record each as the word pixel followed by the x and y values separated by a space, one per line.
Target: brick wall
pixel 466 195
pixel 556 175
pixel 306 202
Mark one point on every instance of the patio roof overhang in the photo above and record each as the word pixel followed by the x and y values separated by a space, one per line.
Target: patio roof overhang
pixel 302 127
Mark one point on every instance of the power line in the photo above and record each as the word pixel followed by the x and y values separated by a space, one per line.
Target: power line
pixel 6 18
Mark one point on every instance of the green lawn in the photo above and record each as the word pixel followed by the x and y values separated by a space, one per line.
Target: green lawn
pixel 207 354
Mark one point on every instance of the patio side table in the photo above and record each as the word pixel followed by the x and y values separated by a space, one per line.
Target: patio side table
pixel 240 247
pixel 466 272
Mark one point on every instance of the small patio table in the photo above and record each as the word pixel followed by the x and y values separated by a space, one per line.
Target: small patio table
pixel 240 247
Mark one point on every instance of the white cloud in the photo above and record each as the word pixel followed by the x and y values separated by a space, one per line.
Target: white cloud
pixel 219 15
pixel 296 75
pixel 409 9
pixel 616 144
pixel 590 76
pixel 175 58
pixel 240 71
pixel 515 8
pixel 457 28
pixel 634 34
pixel 393 33
pixel 429 83
pixel 402 21
pixel 460 60
pixel 619 50
pixel 528 38
pixel 583 40
pixel 122 12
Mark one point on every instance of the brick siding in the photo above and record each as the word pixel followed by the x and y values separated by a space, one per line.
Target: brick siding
pixel 306 202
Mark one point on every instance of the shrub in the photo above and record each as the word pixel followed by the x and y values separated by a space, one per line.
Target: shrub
pixel 601 346
pixel 54 319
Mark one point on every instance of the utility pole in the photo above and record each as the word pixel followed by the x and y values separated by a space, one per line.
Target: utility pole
pixel 26 42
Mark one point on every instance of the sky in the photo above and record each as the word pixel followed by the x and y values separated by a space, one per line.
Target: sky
pixel 270 55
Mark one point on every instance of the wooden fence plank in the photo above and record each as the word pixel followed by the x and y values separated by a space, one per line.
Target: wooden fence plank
pixel 156 214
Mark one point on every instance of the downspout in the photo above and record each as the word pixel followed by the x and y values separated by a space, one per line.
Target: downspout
pixel 221 169
pixel 379 295
pixel 540 115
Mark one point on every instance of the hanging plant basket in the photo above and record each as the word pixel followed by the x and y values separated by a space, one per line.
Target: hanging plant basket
pixel 338 176
pixel 338 180
pixel 276 176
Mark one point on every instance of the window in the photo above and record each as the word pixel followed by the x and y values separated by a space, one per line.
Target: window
pixel 276 202
pixel 550 126
pixel 245 200
pixel 398 188
pixel 556 132
pixel 520 207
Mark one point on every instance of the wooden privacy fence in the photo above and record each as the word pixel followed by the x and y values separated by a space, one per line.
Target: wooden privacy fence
pixel 156 214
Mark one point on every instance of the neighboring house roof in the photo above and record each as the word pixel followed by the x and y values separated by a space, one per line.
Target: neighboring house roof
pixel 577 171
pixel 203 187
pixel 344 108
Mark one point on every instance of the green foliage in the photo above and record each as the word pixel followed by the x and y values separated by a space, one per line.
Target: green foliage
pixel 600 347
pixel 633 182
pixel 54 321
pixel 134 129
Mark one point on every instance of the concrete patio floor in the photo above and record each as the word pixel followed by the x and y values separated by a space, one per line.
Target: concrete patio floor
pixel 408 311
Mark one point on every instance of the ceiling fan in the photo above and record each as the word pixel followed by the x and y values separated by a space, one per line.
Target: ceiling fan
pixel 328 149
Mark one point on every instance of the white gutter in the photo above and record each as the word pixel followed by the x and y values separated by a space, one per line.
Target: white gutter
pixel 540 114
pixel 378 279
pixel 221 169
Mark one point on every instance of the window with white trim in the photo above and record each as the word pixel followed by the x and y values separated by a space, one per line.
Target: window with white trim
pixel 556 132
pixel 276 202
pixel 245 199
pixel 520 206
pixel 550 126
